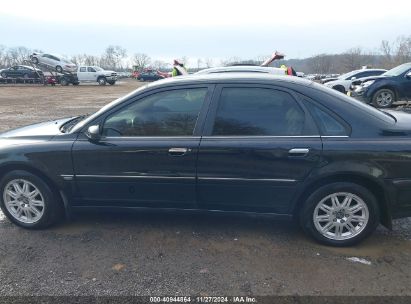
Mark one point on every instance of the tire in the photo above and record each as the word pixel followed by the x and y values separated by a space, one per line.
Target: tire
pixel 76 83
pixel 3 74
pixel 47 202
pixel 340 88
pixel 111 82
pixel 383 98
pixel 26 76
pixel 35 60
pixel 102 81
pixel 363 222
pixel 59 69
pixel 142 79
pixel 64 82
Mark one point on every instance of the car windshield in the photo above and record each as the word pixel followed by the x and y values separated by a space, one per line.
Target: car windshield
pixel 358 104
pixel 398 70
pixel 348 75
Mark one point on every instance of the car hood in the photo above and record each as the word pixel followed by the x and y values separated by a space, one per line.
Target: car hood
pixel 44 130
pixel 365 79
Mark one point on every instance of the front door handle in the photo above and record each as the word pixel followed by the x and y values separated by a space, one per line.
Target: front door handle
pixel 298 152
pixel 178 151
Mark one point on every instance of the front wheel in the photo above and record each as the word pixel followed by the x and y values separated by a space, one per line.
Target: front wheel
pixel 28 201
pixel 34 60
pixel 111 82
pixel 102 81
pixel 3 75
pixel 340 214
pixel 59 69
pixel 383 98
pixel 64 82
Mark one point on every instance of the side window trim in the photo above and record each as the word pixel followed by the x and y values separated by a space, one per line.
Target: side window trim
pixel 212 111
pixel 197 128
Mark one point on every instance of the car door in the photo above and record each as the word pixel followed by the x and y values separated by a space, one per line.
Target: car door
pixel 259 145
pixel 147 153
pixel 91 74
pixel 406 84
pixel 12 72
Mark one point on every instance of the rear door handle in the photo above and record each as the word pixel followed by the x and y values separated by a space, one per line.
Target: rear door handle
pixel 298 152
pixel 178 151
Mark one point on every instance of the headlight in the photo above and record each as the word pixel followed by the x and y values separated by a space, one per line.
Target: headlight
pixel 368 83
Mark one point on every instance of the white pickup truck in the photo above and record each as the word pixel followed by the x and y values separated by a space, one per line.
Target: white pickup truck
pixel 96 74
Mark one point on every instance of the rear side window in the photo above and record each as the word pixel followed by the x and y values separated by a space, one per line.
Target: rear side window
pixel 328 125
pixel 258 112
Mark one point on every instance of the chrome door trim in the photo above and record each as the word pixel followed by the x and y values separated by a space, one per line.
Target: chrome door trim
pixel 134 176
pixel 283 180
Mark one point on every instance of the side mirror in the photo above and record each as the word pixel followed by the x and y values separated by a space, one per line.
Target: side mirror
pixel 353 78
pixel 93 133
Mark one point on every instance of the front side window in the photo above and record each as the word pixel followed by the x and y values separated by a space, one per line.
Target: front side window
pixel 170 113
pixel 258 112
pixel 90 69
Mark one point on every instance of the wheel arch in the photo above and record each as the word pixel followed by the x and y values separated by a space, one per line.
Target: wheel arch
pixel 369 183
pixel 340 88
pixel 4 169
pixel 388 87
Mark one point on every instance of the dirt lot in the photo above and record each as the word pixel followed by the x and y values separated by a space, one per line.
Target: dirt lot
pixel 180 254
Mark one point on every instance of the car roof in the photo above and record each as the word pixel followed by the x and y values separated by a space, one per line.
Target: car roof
pixel 263 78
pixel 243 69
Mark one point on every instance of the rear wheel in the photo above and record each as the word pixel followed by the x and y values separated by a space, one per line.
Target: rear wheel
pixel 340 214
pixel 28 201
pixel 3 74
pixel 383 98
pixel 59 69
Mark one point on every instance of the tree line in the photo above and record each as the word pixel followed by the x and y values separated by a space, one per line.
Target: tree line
pixel 115 57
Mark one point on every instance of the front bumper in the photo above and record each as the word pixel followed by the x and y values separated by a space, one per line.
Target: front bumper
pixel 359 95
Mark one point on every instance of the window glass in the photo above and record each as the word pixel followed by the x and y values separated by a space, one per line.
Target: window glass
pixel 82 69
pixel 258 111
pixel 328 125
pixel 90 69
pixel 171 113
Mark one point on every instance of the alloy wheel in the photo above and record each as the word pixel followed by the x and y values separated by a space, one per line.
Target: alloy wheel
pixel 341 216
pixel 23 201
pixel 384 99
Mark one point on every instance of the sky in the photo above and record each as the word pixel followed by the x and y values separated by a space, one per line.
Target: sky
pixel 215 29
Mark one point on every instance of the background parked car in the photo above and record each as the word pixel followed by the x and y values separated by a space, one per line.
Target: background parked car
pixel 382 91
pixel 58 63
pixel 343 82
pixel 149 75
pixel 21 71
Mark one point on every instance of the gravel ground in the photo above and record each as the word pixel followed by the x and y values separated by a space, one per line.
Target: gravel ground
pixel 152 253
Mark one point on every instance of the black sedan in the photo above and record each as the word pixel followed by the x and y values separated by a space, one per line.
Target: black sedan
pixel 229 142
pixel 21 71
